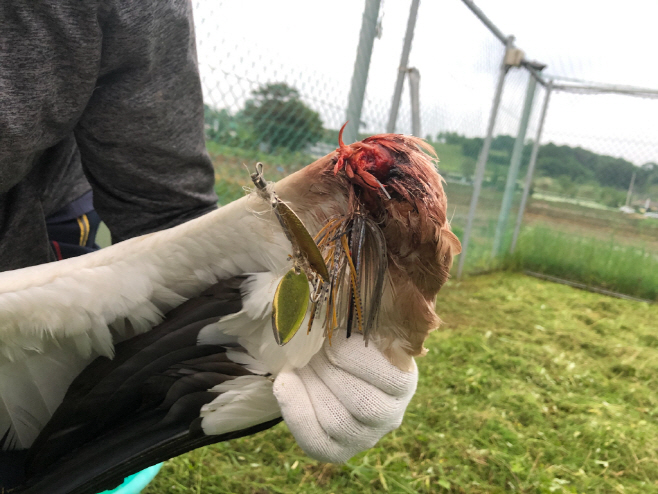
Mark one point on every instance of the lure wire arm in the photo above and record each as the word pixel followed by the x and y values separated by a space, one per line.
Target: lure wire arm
pixel 257 177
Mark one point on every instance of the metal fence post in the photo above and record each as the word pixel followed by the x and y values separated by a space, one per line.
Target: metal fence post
pixel 482 158
pixel 402 69
pixel 515 164
pixel 531 167
pixel 414 90
pixel 361 68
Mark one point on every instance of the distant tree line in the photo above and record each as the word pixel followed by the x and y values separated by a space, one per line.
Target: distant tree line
pixel 563 163
pixel 275 118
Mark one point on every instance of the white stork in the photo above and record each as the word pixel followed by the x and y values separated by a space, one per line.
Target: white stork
pixel 122 358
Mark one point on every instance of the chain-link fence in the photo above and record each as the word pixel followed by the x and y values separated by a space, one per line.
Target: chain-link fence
pixel 278 91
pixel 264 104
pixel 595 145
pixel 258 97
pixel 593 215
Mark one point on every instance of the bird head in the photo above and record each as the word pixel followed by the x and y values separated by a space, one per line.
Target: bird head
pixel 393 179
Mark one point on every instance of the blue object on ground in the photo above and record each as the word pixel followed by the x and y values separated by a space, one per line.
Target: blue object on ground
pixel 136 482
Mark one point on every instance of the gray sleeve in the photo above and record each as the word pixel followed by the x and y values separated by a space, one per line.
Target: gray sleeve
pixel 141 135
pixel 49 52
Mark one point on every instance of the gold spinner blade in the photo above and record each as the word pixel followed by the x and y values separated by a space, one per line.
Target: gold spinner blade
pixel 292 294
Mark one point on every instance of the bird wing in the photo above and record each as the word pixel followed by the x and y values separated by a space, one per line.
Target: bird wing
pixel 88 301
pixel 175 339
pixel 56 318
pixel 142 407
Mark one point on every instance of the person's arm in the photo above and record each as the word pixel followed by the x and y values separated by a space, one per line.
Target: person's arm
pixel 141 134
pixel 49 52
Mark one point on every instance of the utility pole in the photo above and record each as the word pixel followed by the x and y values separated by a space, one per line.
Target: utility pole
pixel 361 68
pixel 414 90
pixel 402 69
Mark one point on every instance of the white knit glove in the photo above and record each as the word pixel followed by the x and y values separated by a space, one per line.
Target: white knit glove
pixel 344 400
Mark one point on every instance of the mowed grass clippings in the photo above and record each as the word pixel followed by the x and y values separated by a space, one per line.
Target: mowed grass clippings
pixel 529 387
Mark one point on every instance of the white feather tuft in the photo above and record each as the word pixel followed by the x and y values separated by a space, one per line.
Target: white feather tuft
pixel 253 326
pixel 250 363
pixel 245 401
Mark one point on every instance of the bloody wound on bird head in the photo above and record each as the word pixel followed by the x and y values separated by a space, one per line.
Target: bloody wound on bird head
pixel 366 165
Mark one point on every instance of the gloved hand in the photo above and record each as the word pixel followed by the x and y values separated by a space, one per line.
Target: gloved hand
pixel 344 400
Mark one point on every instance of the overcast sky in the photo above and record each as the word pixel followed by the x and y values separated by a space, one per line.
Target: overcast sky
pixel 312 45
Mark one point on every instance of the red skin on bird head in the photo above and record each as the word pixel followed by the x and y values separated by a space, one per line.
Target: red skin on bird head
pixel 386 165
pixel 366 165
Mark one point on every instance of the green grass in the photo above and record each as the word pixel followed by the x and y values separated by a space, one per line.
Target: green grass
pixel 530 387
pixel 233 166
pixel 484 225
pixel 287 159
pixel 628 227
pixel 629 269
pixel 450 157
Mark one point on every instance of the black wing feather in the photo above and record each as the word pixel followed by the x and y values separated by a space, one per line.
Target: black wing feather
pixel 140 408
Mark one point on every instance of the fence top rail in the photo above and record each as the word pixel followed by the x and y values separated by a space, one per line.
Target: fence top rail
pixel 570 85
pixel 593 88
pixel 486 21
pixel 530 66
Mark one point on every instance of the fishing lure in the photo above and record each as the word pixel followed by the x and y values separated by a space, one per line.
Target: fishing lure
pixel 292 294
pixel 345 265
pixel 354 249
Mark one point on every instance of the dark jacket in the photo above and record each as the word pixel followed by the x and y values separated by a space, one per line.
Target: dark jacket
pixel 101 94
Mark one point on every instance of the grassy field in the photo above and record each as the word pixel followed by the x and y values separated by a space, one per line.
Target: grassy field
pixel 602 248
pixel 529 387
pixel 450 157
pixel 626 268
pixel 626 229
pixel 484 224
